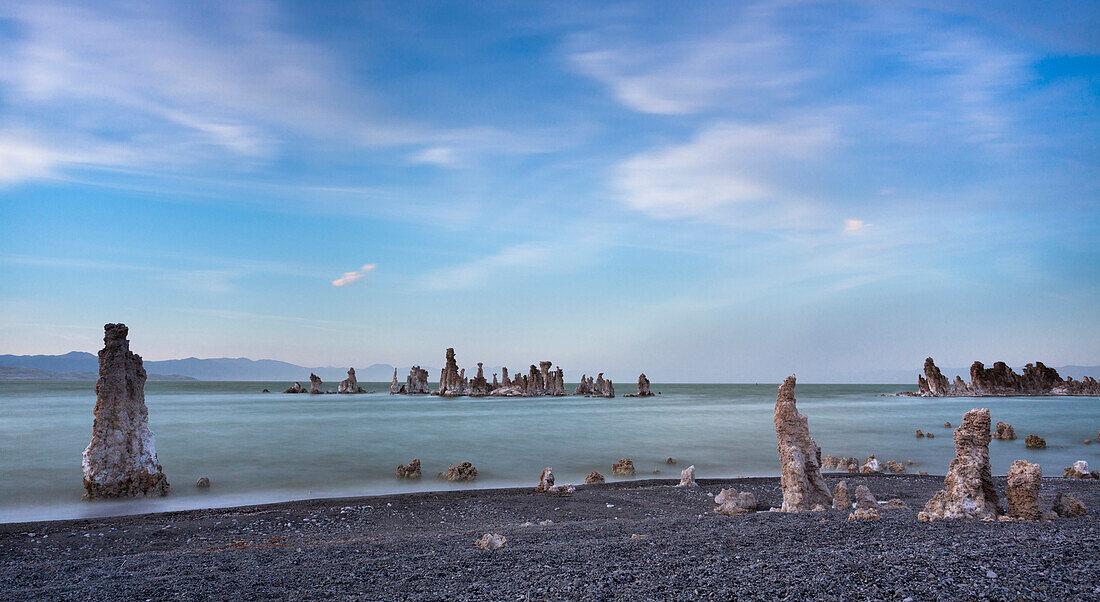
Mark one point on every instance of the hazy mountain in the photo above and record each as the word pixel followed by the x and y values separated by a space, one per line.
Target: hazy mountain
pixel 223 368
pixel 21 373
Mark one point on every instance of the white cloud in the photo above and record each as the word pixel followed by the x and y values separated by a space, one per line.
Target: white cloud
pixel 565 254
pixel 726 165
pixel 851 225
pixel 740 61
pixel 350 277
pixel 440 156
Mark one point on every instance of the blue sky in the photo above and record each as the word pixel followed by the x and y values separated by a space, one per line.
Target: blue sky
pixel 726 192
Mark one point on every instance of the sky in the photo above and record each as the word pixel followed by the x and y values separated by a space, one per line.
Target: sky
pixel 717 191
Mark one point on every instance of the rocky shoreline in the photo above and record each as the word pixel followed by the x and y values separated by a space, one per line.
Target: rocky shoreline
pixel 637 540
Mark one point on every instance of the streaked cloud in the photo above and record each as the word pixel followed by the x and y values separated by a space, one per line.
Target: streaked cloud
pixel 851 225
pixel 351 277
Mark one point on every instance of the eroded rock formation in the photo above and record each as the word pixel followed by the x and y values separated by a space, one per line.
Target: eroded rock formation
pixel 1080 470
pixel 121 459
pixel 546 480
pixel 593 478
pixel 315 384
pixel 1004 432
pixel 1065 505
pixel 1035 442
pixel 871 465
pixel 452 381
pixel 968 488
pixel 732 503
pixel 350 384
pixel 479 387
pixel 624 467
pixel 687 477
pixel 410 470
pixel 395 387
pixel 463 472
pixel 841 501
pixel 866 505
pixel 643 386
pixel 1036 379
pixel 799 456
pixel 296 388
pixel 895 466
pixel 1024 481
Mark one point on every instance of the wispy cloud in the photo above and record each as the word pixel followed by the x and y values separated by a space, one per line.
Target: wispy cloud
pixel 536 259
pixel 350 277
pixel 729 171
pixel 852 225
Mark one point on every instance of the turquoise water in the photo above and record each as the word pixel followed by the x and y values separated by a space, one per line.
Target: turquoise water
pixel 273 447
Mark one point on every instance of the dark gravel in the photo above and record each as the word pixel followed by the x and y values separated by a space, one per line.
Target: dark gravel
pixel 420 547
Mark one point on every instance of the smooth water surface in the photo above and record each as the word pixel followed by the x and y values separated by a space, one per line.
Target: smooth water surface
pixel 272 447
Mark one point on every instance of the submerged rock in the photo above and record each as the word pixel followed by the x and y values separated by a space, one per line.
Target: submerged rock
pixel 315 384
pixel 1022 491
pixel 121 459
pixel 732 503
pixel 670 460
pixel 410 470
pixel 203 483
pixel 799 456
pixel 624 467
pixel 1004 432
pixel 489 541
pixel 296 388
pixel 1065 505
pixel 1034 442
pixel 687 477
pixel 947 425
pixel 840 496
pixel 350 384
pixel 594 478
pixel 968 488
pixel 463 472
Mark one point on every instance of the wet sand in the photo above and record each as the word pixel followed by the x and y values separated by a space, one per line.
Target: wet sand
pixel 640 540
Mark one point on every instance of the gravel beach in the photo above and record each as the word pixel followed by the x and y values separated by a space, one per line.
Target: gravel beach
pixel 638 540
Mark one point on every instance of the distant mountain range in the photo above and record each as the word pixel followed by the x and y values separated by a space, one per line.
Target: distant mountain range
pixel 19 373
pixel 78 365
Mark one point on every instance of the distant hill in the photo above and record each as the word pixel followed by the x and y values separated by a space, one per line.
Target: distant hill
pixel 222 368
pixel 20 373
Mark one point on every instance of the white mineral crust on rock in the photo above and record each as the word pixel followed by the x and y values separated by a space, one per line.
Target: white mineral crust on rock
pixel 687 477
pixel 968 488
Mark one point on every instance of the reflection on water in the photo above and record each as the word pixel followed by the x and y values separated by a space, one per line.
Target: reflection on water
pixel 269 447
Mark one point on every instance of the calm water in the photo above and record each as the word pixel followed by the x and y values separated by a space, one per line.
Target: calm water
pixel 272 447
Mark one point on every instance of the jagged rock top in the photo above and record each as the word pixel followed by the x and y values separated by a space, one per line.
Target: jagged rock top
pixel 799 456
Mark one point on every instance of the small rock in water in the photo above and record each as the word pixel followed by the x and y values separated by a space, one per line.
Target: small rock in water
pixel 1080 470
pixel 593 478
pixel 871 465
pixel 931 435
pixel 203 483
pixel 463 472
pixel 624 467
pixel 670 460
pixel 947 425
pixel 490 541
pixel 1004 432
pixel 1034 442
pixel 895 466
pixel 920 435
pixel 410 470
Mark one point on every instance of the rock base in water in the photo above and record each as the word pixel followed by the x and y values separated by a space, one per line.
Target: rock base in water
pixel 463 472
pixel 623 468
pixel 594 478
pixel 410 470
